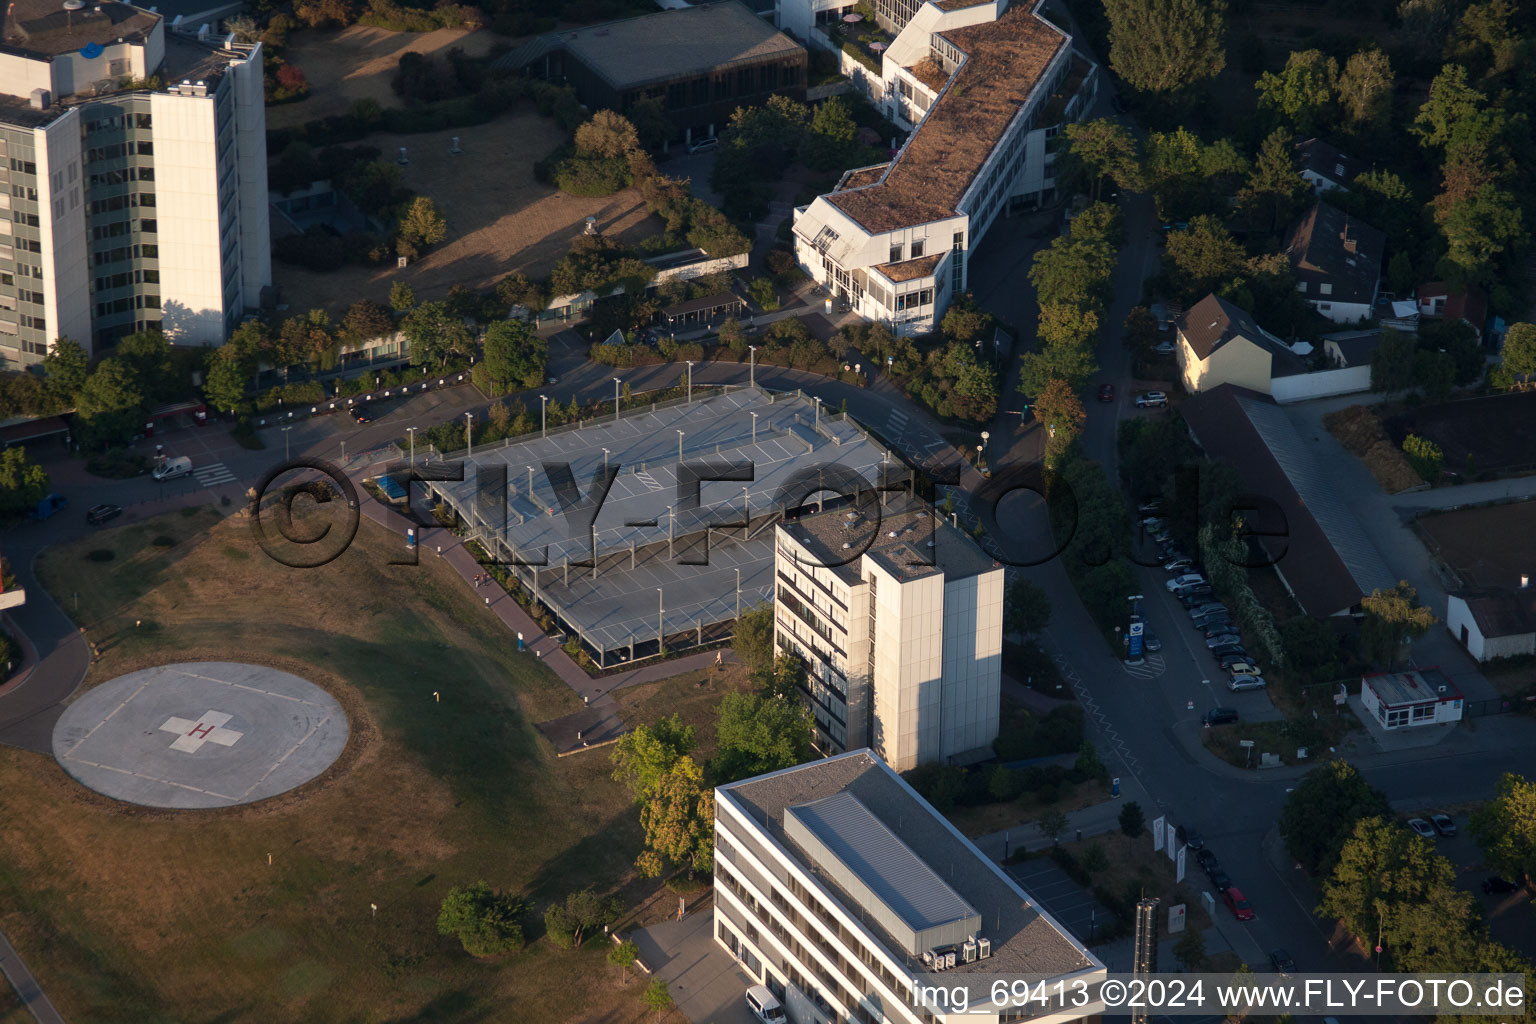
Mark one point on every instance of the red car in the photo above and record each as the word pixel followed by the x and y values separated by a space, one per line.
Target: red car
pixel 1107 393
pixel 1238 904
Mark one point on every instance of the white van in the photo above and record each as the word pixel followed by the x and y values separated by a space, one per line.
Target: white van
pixel 764 1006
pixel 170 469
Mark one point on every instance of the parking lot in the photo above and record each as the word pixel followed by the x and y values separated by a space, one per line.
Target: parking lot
pixel 1073 907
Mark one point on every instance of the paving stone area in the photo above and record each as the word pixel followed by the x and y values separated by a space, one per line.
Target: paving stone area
pixel 200 734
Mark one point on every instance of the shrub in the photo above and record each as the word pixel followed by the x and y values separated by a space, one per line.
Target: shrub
pixel 591 176
pixel 1425 456
pixel 486 922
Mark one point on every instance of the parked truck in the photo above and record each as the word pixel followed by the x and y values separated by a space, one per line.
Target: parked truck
pixel 49 505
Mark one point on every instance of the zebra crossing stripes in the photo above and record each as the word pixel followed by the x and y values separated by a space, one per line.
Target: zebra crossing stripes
pixel 648 480
pixel 213 474
pixel 1151 668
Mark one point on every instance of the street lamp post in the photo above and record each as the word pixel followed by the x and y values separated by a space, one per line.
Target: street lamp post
pixel 544 415
pixel 671 519
pixel 754 428
pixel 412 432
pixel 605 461
pixel 817 403
pixel 690 381
pixel 738 595
pixel 615 399
pixel 746 512
pixel 679 446
pixel 287 453
pixel 469 441
pixel 981 458
pixel 752 365
pixel 659 612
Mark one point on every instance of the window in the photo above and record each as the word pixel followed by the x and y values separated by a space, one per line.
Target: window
pixel 1323 307
pixel 1325 288
pixel 896 251
pixel 917 247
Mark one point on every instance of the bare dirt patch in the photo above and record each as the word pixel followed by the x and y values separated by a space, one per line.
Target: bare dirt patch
pixel 1359 430
pixel 1497 431
pixel 500 218
pixel 358 62
pixel 1488 546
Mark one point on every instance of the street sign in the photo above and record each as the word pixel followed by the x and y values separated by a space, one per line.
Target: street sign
pixel 1245 743
pixel 1179 875
pixel 1157 834
pixel 1137 629
pixel 1172 841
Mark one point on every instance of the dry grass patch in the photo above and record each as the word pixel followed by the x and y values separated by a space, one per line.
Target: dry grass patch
pixel 1021 814
pixel 1359 430
pixel 1131 866
pixel 147 915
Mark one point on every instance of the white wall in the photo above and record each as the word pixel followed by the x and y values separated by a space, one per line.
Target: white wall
pixel 251 143
pixel 187 188
pixel 1457 615
pixel 20 75
pixel 973 662
pixel 1341 312
pixel 61 213
pixel 1320 384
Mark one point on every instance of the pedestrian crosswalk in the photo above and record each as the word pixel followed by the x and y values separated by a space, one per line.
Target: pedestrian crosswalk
pixel 1151 668
pixel 213 474
pixel 648 480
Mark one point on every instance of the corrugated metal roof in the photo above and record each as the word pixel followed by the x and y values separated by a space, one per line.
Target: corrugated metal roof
pixel 875 856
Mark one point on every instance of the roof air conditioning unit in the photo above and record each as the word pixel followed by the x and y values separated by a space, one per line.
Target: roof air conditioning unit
pixel 968 951
pixel 927 958
pixel 984 948
pixel 949 959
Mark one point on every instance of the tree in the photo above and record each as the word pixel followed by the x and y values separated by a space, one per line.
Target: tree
pixel 1365 90
pixel 678 821
pixel 401 297
pixel 1203 256
pixel 1392 362
pixel 1103 150
pixel 229 374
pixel 753 642
pixel 569 923
pixel 758 734
pixel 643 757
pixel 1028 607
pixel 486 922
pixel 516 290
pixel 1320 814
pixel 966 322
pixel 1518 363
pixel 65 368
pixel 1062 324
pixel 147 356
pixel 1392 618
pixel 1303 91
pixel 1059 408
pixel 652 125
pixel 783 678
pixel 23 483
pixel 1165 46
pixel 1400 273
pixel 1505 827
pixel 623 956
pixel 1190 950
pixel 421 227
pixel 608 135
pixel 515 355
pixel 1274 186
pixel 1141 331
pixel 831 137
pixel 657 997
pixel 1073 270
pixel 1425 456
pixel 364 321
pixel 1052 824
pixel 1132 820
pixel 435 334
pixel 1088 763
pixel 1070 362
pixel 109 407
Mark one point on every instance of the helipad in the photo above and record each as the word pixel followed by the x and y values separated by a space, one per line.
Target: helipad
pixel 200 734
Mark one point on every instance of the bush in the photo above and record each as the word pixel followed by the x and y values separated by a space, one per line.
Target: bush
pixel 591 176
pixel 1069 864
pixel 486 922
pixel 1425 456
pixel 117 464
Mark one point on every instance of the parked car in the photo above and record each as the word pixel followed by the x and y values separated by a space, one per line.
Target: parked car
pixel 1151 400
pixel 1196 596
pixel 1151 507
pixel 1241 668
pixel 1422 827
pixel 1150 641
pixel 1220 879
pixel 1203 856
pixel 1237 684
pixel 1281 961
pixel 1203 608
pixel 1190 838
pixel 362 415
pixel 1220 629
pixel 1238 903
pixel 48 505
pixel 1178 565
pixel 1220 716
pixel 1234 659
pixel 1494 884
pixel 1164 348
pixel 704 145
pixel 1218 617
pixel 1230 646
pixel 1154 522
pixel 1106 392
pixel 1443 824
pixel 1189 579
pixel 99 514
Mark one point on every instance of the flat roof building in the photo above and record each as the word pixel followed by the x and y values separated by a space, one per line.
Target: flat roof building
pixel 983 88
pixel 898 618
pixel 701 62
pixel 1405 700
pixel 841 889
pixel 133 205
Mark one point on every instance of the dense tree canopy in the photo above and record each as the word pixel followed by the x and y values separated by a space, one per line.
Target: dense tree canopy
pixel 1320 814
pixel 1165 46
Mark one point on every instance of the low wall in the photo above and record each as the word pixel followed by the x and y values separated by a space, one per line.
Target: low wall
pixel 1322 384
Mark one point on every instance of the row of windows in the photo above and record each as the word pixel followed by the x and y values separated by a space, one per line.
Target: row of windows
pixel 24 166
pixel 119 228
pixel 23 270
pixel 122 175
pixel 29 219
pixel 131 302
pixel 126 201
pixel 126 252
pixel 24 192
pixel 918 245
pixel 118 150
pixel 115 121
pixel 23 244
pixel 915 300
pixel 127 277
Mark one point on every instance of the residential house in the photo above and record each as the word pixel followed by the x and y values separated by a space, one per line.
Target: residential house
pixel 1325 167
pixel 1219 343
pixel 1468 304
pixel 1407 700
pixel 1494 622
pixel 1337 261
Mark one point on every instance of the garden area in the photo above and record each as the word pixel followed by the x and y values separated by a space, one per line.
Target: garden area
pixel 488 801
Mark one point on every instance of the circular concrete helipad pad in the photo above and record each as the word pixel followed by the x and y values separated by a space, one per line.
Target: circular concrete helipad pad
pixel 200 734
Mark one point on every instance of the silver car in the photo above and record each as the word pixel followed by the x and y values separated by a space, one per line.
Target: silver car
pixel 1237 683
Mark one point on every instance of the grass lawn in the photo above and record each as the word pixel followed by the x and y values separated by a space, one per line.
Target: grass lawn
pixel 1512 677
pixel 135 914
pixel 1279 737
pixel 1026 810
pixel 1131 862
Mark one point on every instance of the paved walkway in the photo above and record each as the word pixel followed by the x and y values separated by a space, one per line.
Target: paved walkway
pixel 27 990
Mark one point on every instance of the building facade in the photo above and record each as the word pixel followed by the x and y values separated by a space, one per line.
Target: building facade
pixel 1407 700
pixel 1494 622
pixel 898 618
pixel 1220 343
pixel 842 890
pixel 984 89
pixel 1337 260
pixel 132 206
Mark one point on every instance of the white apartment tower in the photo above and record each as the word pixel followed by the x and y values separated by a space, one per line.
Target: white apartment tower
pixel 132 178
pixel 839 888
pixel 984 88
pixel 898 618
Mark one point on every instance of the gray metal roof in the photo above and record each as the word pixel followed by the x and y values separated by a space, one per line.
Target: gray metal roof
pixel 1319 495
pixel 854 845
